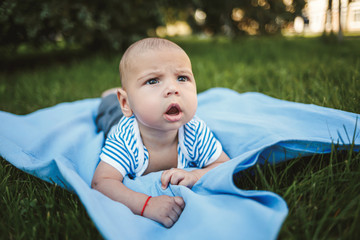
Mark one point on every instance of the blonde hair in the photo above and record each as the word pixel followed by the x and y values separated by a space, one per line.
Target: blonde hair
pixel 142 46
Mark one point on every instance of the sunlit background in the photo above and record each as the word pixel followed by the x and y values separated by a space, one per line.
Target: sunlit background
pixel 112 25
pixel 317 17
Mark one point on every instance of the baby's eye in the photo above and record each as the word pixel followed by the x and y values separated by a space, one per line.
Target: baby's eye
pixel 152 81
pixel 183 78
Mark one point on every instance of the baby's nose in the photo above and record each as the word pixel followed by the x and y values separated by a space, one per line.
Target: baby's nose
pixel 172 90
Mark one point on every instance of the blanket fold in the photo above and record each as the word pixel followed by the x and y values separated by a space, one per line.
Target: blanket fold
pixel 60 144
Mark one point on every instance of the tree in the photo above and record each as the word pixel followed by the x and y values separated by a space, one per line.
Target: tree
pixel 340 33
pixel 242 17
pixel 92 24
pixel 329 13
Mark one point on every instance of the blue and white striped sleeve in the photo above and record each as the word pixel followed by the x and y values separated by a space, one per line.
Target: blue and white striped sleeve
pixel 208 147
pixel 115 153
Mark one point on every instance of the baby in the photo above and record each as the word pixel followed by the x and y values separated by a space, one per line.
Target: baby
pixel 158 130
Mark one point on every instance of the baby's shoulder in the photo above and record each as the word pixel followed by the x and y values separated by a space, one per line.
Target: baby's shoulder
pixel 124 131
pixel 195 126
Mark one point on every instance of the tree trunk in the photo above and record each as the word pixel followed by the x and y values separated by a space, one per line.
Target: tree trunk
pixel 340 33
pixel 328 15
pixel 347 15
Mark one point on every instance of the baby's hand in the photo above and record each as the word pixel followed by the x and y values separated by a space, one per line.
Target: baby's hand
pixel 164 209
pixel 178 176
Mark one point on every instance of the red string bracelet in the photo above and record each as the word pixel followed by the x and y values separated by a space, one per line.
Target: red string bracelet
pixel 142 212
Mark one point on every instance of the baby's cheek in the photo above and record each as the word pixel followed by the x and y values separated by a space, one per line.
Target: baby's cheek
pixel 149 110
pixel 192 103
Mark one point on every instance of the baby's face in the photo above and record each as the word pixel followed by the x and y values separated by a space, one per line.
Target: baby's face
pixel 161 89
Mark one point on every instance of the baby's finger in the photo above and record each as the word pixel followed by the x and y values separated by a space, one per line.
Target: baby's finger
pixel 177 209
pixel 165 178
pixel 174 216
pixel 186 182
pixel 168 222
pixel 180 202
pixel 176 177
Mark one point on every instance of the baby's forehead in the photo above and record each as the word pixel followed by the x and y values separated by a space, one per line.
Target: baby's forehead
pixel 151 44
pixel 131 59
pixel 136 50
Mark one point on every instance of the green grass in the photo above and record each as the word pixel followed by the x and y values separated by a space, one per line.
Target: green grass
pixel 34 209
pixel 321 191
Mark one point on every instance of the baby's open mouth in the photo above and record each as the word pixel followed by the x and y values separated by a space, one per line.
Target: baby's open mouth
pixel 173 110
pixel 173 113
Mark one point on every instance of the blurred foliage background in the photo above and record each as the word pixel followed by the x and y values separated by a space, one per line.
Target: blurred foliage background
pixel 112 25
pixel 89 24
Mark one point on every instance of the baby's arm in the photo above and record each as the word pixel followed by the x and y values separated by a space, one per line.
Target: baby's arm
pixel 178 176
pixel 163 209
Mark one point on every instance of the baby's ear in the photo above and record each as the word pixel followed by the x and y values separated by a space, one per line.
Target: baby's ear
pixel 124 102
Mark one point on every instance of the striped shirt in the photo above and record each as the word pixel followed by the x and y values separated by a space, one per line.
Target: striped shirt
pixel 125 151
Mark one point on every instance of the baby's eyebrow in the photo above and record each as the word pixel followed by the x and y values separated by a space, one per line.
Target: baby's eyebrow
pixel 183 71
pixel 149 74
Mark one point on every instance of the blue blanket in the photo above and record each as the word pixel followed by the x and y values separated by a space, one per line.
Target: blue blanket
pixel 60 144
